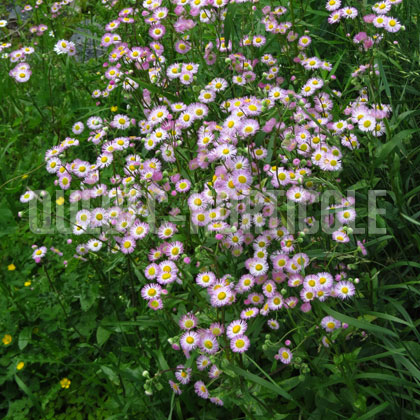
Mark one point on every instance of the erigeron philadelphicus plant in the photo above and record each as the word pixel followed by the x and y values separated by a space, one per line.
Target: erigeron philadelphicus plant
pixel 220 117
pixel 22 56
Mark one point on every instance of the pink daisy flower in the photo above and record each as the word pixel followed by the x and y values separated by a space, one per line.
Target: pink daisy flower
pixel 166 230
pixel 209 344
pixel 236 328
pixel 127 245
pixel 151 291
pixel 284 355
pixel 189 340
pixel 199 387
pixel 183 374
pixel 240 344
pixel 175 387
pixel 330 324
pixel 188 321
pixel 344 289
pixel 183 185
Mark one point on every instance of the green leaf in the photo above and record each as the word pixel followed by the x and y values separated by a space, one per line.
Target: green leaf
pixel 24 337
pixel 28 392
pixel 260 381
pixel 102 335
pixel 112 376
pixel 388 147
pixel 155 89
pixel 410 219
pixel 87 35
pixel 88 295
pixel 372 413
pixel 163 364
pixel 229 23
pixel 359 323
pixel 172 406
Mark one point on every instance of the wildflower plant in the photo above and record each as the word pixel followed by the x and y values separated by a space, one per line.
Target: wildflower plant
pixel 205 189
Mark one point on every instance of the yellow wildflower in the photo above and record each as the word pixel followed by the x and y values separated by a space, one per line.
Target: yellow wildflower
pixel 7 339
pixel 65 383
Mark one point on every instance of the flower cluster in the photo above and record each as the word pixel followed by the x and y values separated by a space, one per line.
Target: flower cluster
pixel 224 134
pixel 22 71
pixel 65 47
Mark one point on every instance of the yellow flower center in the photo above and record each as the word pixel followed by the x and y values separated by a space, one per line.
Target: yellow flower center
pixel 221 295
pixel 240 343
pixel 242 179
pixel 189 323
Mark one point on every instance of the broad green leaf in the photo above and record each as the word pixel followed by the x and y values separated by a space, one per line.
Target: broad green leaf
pixel 102 335
pixel 384 151
pixel 24 337
pixel 260 381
